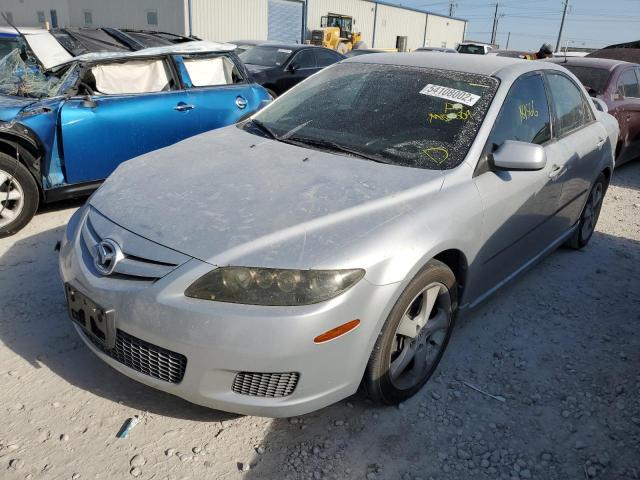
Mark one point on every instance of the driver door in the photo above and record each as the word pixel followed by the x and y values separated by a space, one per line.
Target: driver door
pixel 301 66
pixel 519 219
pixel 101 132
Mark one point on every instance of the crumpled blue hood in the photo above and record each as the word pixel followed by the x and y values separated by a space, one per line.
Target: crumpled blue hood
pixel 11 106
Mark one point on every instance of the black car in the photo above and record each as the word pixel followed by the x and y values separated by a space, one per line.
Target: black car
pixel 278 67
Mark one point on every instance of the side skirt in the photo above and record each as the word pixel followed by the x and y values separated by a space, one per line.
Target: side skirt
pixel 553 246
pixel 71 191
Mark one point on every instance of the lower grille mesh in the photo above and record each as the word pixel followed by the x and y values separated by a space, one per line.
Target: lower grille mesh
pixel 146 358
pixel 270 385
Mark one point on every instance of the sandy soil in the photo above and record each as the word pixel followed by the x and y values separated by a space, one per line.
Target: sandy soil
pixel 560 344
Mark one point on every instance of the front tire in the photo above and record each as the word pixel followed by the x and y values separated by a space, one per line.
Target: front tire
pixel 414 337
pixel 589 216
pixel 19 196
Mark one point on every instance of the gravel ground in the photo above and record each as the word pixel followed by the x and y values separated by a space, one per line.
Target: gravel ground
pixel 559 348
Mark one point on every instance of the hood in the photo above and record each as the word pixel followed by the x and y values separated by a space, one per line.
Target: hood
pixel 11 106
pixel 231 197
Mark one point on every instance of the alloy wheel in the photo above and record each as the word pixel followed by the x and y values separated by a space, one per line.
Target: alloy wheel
pixel 11 198
pixel 420 337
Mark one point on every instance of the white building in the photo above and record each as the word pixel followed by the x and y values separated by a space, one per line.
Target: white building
pixel 285 20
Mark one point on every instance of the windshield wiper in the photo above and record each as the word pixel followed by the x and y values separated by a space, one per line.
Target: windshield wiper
pixel 264 128
pixel 336 147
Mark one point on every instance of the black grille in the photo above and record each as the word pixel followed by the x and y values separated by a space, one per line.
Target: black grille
pixel 271 385
pixel 144 357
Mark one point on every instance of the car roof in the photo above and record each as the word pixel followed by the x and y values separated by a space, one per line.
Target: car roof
pixel 478 64
pixel 288 46
pixel 605 63
pixel 197 46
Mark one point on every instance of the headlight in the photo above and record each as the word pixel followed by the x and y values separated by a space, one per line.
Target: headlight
pixel 270 286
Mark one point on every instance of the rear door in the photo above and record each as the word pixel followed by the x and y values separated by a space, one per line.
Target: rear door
pixel 217 90
pixel 100 133
pixel 580 143
pixel 519 205
pixel 626 109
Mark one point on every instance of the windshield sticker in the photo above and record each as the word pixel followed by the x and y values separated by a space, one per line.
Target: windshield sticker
pixel 527 111
pixel 437 154
pixel 450 94
pixel 452 111
pixel 282 50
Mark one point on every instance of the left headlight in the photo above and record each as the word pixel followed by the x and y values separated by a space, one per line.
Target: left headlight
pixel 272 287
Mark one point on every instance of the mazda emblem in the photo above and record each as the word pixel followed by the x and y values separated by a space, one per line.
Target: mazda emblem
pixel 108 254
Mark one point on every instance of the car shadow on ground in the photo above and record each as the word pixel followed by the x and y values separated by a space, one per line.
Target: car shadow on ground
pixel 34 324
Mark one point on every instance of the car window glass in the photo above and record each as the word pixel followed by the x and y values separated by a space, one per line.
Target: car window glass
pixel 326 58
pixel 525 114
pixel 136 76
pixel 572 110
pixel 304 59
pixel 207 72
pixel 408 116
pixel 628 84
pixel 594 79
pixel 265 56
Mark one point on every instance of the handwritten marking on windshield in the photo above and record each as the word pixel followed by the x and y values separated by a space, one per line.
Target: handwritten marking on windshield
pixel 527 111
pixel 439 155
pixel 452 111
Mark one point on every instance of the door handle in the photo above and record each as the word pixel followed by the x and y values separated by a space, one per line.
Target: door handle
pixel 600 143
pixel 184 107
pixel 555 171
pixel 241 102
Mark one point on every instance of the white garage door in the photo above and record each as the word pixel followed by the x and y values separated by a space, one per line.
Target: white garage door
pixel 285 21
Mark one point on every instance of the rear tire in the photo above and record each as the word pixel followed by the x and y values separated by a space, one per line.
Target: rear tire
pixel 589 216
pixel 19 196
pixel 414 337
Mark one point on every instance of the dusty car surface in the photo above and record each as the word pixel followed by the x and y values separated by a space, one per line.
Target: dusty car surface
pixel 298 256
pixel 63 130
pixel 278 67
pixel 617 83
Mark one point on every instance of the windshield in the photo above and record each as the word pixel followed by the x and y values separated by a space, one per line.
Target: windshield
pixel 265 56
pixel 415 117
pixel 25 78
pixel 593 79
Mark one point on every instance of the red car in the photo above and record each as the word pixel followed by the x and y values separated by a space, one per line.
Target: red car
pixel 617 83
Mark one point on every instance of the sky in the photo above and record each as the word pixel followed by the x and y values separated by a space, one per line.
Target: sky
pixel 589 23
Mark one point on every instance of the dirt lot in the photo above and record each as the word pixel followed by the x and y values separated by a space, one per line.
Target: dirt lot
pixel 560 345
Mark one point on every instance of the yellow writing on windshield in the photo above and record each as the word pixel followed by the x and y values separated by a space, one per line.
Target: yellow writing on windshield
pixel 451 111
pixel 438 155
pixel 527 111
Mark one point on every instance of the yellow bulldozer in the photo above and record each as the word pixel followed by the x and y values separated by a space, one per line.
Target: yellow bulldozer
pixel 337 33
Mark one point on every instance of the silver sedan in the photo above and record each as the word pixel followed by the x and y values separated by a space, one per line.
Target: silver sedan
pixel 271 267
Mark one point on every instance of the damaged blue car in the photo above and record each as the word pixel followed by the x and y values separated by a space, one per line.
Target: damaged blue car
pixel 67 122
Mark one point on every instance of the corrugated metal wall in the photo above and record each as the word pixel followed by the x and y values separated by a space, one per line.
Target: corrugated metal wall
pixel 25 13
pixel 361 11
pixel 285 21
pixel 444 31
pixel 225 20
pixel 393 22
pixel 125 13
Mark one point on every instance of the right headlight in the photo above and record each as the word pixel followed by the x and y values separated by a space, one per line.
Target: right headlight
pixel 273 287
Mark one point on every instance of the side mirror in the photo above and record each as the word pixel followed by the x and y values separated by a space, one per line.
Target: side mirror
pixel 88 102
pixel 513 155
pixel 600 104
pixel 293 67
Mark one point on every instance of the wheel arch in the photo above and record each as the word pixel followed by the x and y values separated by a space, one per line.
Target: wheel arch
pixel 26 149
pixel 456 260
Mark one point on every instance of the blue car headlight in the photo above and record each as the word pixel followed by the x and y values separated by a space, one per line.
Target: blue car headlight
pixel 273 287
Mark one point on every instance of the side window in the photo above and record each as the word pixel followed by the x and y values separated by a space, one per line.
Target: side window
pixel 325 58
pixel 134 76
pixel 628 84
pixel 525 114
pixel 304 59
pixel 212 71
pixel 571 109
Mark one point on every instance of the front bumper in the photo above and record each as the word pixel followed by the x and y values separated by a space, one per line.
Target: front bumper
pixel 221 340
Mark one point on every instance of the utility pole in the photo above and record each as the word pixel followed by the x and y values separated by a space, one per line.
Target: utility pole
pixel 508 38
pixel 564 14
pixel 452 5
pixel 495 25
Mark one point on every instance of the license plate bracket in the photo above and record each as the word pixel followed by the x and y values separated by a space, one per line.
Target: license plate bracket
pixel 96 321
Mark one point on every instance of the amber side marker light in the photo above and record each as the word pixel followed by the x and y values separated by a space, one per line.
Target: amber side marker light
pixel 336 332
